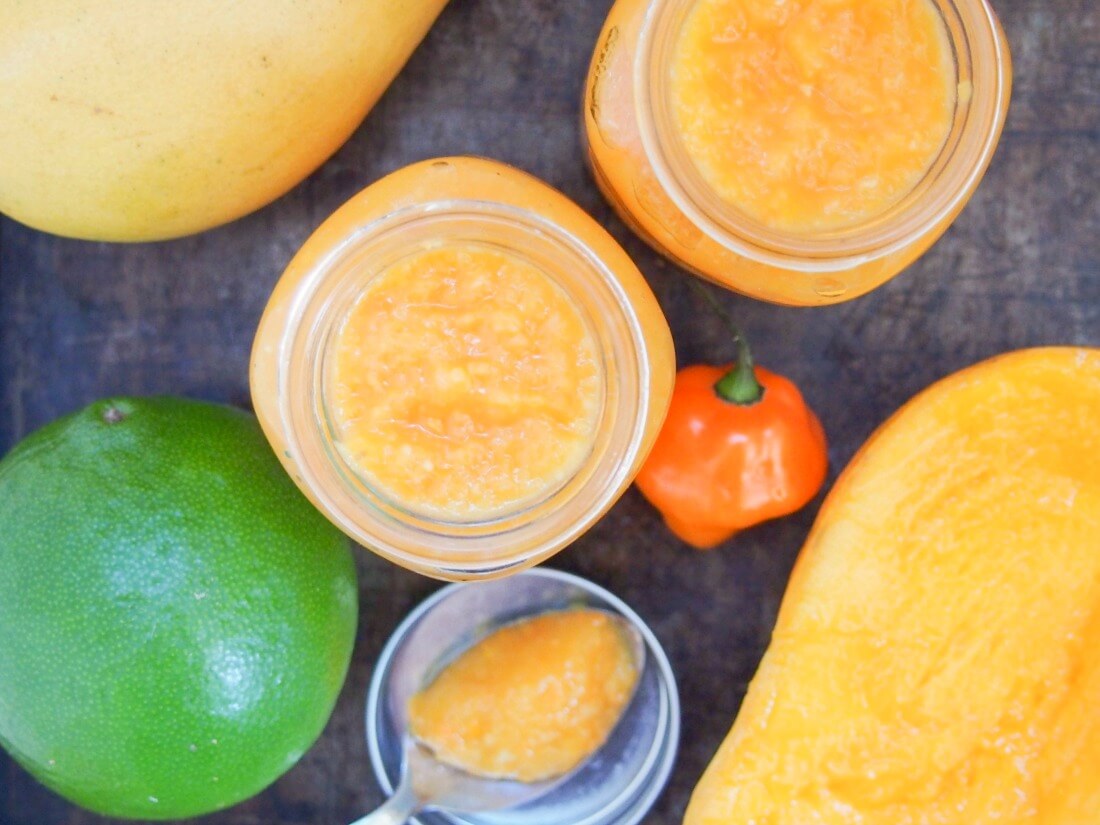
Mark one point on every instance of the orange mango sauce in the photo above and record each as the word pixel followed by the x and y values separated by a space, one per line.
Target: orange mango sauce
pixel 532 700
pixel 466 383
pixel 813 115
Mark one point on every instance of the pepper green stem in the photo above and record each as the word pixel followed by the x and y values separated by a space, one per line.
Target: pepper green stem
pixel 739 385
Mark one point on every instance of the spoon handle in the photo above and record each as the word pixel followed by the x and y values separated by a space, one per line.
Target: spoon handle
pixel 396 810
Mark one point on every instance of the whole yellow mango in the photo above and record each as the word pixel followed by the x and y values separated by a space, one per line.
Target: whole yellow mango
pixel 936 660
pixel 132 120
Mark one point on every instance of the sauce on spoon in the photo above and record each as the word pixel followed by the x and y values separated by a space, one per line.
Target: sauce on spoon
pixel 532 700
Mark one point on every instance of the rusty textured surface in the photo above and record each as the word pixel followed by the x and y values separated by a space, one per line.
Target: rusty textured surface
pixel 503 78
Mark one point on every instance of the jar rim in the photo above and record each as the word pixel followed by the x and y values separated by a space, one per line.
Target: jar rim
pixel 503 542
pixel 981 63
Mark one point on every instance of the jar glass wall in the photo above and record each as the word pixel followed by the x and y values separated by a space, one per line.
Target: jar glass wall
pixel 639 160
pixel 464 203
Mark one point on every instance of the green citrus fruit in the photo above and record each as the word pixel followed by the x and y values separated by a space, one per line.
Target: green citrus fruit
pixel 176 620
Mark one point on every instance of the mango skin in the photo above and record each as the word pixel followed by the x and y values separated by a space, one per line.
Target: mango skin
pixel 937 654
pixel 136 120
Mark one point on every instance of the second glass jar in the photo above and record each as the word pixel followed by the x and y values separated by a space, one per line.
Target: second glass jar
pixel 639 159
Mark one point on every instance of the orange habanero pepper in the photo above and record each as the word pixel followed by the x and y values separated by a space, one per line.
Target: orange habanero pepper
pixel 739 446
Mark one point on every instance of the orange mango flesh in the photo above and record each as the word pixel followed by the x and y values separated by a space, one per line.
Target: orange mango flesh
pixel 466 383
pixel 532 700
pixel 812 115
pixel 937 654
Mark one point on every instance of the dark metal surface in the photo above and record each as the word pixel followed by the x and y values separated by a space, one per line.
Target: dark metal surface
pixel 503 78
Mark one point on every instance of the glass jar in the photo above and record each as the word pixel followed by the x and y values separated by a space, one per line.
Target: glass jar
pixel 640 163
pixel 460 200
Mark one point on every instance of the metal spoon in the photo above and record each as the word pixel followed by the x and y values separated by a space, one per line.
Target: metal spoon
pixel 428 783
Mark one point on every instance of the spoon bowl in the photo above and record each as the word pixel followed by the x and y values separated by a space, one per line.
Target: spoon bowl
pixel 427 782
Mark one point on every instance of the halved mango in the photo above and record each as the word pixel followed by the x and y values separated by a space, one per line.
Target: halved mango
pixel 937 655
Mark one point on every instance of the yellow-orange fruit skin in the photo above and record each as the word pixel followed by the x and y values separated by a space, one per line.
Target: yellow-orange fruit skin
pixel 937 655
pixel 138 120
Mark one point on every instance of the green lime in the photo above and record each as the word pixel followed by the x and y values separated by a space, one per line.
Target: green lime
pixel 176 619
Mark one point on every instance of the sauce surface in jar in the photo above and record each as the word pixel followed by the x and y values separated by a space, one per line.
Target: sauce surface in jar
pixel 812 115
pixel 466 383
pixel 532 700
